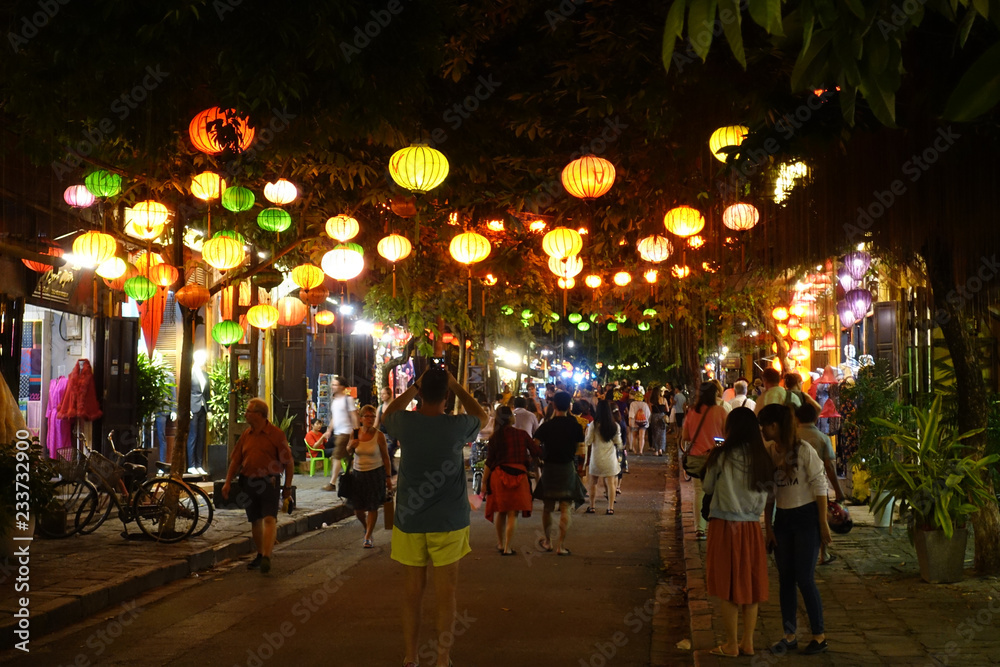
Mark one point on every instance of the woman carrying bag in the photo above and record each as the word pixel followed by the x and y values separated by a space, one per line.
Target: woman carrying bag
pixel 505 477
pixel 371 475
pixel 704 423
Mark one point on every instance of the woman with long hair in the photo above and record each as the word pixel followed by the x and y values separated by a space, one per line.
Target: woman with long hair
pixel 703 424
pixel 738 474
pixel 658 421
pixel 506 476
pixel 603 440
pixel 372 472
pixel 799 526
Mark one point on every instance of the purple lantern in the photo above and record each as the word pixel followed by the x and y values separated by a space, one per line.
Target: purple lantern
pixel 857 264
pixel 846 313
pixel 845 279
pixel 860 301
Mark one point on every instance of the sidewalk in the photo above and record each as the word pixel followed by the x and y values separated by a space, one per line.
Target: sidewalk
pixel 877 610
pixel 73 578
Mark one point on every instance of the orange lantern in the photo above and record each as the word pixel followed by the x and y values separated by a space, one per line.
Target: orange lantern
pixel 226 305
pixel 782 328
pixel 291 311
pixel 94 247
pixel 696 242
pixel 593 281
pixel 740 217
pixel 684 221
pixel 780 313
pixel 342 228
pixel 622 278
pixel 655 248
pixel 315 296
pixel 681 271
pixel 588 177
pixel 325 317
pixel 566 283
pixel 192 296
pixel 307 276
pixel 651 275
pixel 215 130
pixel 223 253
pixel 801 334
pixel 798 310
pixel 41 267
pixel 263 316
pixel 537 226
pixel 207 186
pixel 562 242
pixel 147 261
pixel 119 282
pixel 163 275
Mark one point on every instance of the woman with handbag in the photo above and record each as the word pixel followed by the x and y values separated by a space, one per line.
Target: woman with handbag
pixel 371 472
pixel 505 477
pixel 738 475
pixel 704 423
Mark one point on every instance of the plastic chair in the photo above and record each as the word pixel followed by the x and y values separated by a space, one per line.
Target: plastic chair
pixel 319 455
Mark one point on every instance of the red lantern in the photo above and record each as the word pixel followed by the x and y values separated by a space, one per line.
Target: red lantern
pixel 192 296
pixel 315 296
pixel 227 299
pixel 215 130
pixel 163 275
pixel 291 311
pixel 39 266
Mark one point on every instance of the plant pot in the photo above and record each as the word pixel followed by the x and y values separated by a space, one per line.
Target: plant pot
pixel 942 560
pixel 883 519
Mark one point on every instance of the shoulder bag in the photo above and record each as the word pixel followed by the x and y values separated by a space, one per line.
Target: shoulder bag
pixel 345 483
pixel 694 466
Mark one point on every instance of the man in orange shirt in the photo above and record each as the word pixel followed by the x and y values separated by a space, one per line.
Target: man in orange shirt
pixel 259 456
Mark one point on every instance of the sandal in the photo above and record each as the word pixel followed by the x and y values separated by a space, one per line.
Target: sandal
pixel 369 544
pixel 610 512
pixel 564 552
pixel 591 510
pixel 512 552
pixel 718 651
pixel 541 545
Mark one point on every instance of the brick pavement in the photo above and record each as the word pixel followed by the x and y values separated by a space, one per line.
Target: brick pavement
pixel 877 610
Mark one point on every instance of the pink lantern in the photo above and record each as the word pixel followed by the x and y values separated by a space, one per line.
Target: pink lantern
pixel 857 264
pixel 78 196
pixel 860 301
pixel 846 314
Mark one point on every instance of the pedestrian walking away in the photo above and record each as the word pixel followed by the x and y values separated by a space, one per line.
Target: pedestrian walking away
pixel 560 438
pixel 505 479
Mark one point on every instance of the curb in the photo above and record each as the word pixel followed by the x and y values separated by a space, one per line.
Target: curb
pixel 699 608
pixel 61 612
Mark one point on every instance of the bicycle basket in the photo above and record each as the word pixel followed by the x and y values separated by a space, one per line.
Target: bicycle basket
pixel 105 467
pixel 70 464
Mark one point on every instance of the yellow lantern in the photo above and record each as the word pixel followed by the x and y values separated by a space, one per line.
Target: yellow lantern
pixel 138 231
pixel 394 247
pixel 280 192
pixel 150 214
pixel 562 242
pixel 469 248
pixel 740 217
pixel 489 280
pixel 112 268
pixel 567 283
pixel 588 177
pixel 418 168
pixel 593 281
pixel 342 228
pixel 684 221
pixel 537 226
pixel 798 310
pixel 263 316
pixel 343 263
pixel 651 275
pixel 696 242
pixel 655 248
pixel 780 313
pixel 801 334
pixel 495 225
pixel 798 352
pixel 566 268
pixel 94 248
pixel 207 186
pixel 724 137
pixel 681 271
pixel 163 275
pixel 307 276
pixel 325 317
pixel 146 261
pixel 223 253
pixel 622 278
pixel 776 364
pixel 782 329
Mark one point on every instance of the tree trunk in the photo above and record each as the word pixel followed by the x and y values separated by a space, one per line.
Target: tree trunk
pixel 387 368
pixel 973 403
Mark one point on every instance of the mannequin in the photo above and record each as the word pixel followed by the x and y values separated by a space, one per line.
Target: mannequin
pixel 199 412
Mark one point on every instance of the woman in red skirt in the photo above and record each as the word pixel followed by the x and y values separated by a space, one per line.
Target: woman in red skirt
pixel 738 474
pixel 506 477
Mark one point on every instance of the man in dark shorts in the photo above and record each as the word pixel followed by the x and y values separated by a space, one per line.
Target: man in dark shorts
pixel 259 457
pixel 560 437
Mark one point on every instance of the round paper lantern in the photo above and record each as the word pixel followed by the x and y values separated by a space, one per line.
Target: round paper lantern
pixel 642 326
pixel 696 242
pixel 612 326
pixel 684 221
pixel 112 268
pixel 845 279
pixel 575 318
pixel 140 288
pixel 394 247
pixel 740 217
pixel 566 283
pixel 490 280
pixel 207 186
pixel 526 314
pixel 724 137
pixel 41 267
pixel 215 130
pixel 506 310
pixel 94 247
pixel 651 275
pixel 537 226
pixel 649 312
pixel 566 268
pixel 227 333
pixel 801 334
pixel 782 328
pixel 268 279
pixel 798 310
pixel 146 261
pixel 274 220
pixel 857 264
pixel 163 275
pixel 780 313
pixel 137 231
pixel 593 281
pixel 119 282
pixel 280 192
pixel 681 271
pixel 325 318
pixel 343 263
pixel 583 326
pixel 193 296
pixel 798 352
pixel 469 248
pixel 230 234
pixel 262 316
pixel 655 248
pixel 307 276
pixel 622 278
pixel 291 311
pixel 588 177
pixel 418 168
pixel 342 228
pixel 238 199
pixel 860 301
pixel 315 296
pixel 223 253
pixel 78 196
pixel 620 317
pixel 150 214
pixel 103 183
pixel 562 242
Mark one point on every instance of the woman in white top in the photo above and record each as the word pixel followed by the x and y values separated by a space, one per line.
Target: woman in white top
pixel 371 472
pixel 799 525
pixel 603 440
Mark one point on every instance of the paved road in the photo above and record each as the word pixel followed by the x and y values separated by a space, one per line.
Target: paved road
pixel 327 601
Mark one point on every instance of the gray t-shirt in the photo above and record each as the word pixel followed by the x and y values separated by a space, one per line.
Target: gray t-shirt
pixel 431 495
pixel 679 401
pixel 820 441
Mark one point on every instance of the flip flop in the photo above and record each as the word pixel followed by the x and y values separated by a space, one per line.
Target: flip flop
pixel 541 545
pixel 718 651
pixel 564 552
pixel 508 553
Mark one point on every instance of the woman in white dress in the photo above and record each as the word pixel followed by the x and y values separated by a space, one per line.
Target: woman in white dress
pixel 604 441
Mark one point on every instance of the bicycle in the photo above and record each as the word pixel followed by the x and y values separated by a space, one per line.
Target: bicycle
pixel 206 509
pixel 73 496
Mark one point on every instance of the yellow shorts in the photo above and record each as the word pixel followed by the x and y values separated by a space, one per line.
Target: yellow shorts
pixel 416 549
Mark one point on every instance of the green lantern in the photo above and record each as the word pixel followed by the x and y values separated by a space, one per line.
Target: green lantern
pixel 620 317
pixel 506 310
pixel 526 314
pixel 356 247
pixel 274 220
pixel 103 183
pixel 649 312
pixel 593 318
pixel 643 326
pixel 230 233
pixel 140 288
pixel 575 318
pixel 612 326
pixel 583 326
pixel 227 333
pixel 237 199
pixel 525 323
pixel 554 317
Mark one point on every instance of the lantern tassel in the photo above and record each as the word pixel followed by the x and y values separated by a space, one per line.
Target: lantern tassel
pixel 564 300
pixel 394 280
pixel 470 289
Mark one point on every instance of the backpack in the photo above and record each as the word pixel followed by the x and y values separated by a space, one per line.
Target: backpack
pixel 640 417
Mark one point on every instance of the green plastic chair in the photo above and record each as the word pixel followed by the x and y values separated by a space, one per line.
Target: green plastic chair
pixel 320 456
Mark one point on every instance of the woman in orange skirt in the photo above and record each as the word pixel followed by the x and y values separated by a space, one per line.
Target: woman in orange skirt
pixel 506 477
pixel 738 474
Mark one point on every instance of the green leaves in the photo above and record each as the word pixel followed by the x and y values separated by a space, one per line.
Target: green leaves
pixel 673 31
pixel 978 90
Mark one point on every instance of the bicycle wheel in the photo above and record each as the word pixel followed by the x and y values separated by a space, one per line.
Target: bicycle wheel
pixel 73 504
pixel 165 509
pixel 205 510
pixel 100 514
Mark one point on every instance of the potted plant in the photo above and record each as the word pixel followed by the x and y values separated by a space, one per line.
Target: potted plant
pixel 941 484
pixel 155 390
pixel 29 473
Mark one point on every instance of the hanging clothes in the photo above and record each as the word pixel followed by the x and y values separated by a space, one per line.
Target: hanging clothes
pixel 80 399
pixel 60 431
